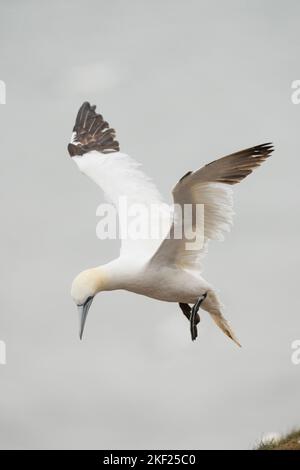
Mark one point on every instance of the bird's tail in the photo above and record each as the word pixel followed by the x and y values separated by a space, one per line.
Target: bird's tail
pixel 213 306
pixel 223 324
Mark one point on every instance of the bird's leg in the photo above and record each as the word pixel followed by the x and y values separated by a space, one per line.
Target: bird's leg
pixel 186 310
pixel 193 317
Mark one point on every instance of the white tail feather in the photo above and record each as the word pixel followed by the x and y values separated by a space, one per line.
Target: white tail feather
pixel 213 306
pixel 223 324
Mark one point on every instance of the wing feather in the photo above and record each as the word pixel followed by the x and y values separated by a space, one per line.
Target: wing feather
pixel 210 186
pixel 92 132
pixel 96 153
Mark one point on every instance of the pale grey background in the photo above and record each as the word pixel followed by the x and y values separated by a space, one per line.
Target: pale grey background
pixel 182 82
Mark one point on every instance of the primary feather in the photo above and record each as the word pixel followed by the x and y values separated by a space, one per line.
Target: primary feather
pixel 91 132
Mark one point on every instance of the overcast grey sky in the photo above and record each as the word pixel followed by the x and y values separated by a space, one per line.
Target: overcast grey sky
pixel 183 82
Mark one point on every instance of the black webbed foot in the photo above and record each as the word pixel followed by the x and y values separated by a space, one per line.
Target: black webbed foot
pixel 193 317
pixel 186 310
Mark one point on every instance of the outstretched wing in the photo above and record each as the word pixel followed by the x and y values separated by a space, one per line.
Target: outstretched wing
pixel 96 152
pixel 209 186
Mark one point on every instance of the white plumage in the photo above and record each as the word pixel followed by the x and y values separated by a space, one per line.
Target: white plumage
pixel 162 268
pixel 119 175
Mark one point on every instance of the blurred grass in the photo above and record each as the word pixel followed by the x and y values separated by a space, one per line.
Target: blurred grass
pixel 290 441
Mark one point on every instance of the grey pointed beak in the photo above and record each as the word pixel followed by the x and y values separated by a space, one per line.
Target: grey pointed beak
pixel 83 311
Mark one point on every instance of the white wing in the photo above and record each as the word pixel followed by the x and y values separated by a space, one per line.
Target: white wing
pixel 96 152
pixel 209 186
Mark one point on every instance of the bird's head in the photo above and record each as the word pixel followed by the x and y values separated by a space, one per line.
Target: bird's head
pixel 84 288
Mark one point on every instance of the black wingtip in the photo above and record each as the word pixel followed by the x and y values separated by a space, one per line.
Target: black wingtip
pixel 74 150
pixel 266 148
pixel 92 132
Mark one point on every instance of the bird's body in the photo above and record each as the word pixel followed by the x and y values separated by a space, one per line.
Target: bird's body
pixel 169 284
pixel 165 267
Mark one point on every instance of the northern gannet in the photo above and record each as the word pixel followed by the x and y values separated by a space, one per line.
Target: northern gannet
pixel 163 269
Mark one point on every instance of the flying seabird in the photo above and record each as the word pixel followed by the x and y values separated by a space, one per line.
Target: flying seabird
pixel 162 268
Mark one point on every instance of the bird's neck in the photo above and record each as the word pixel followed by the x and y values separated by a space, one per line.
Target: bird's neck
pixel 110 276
